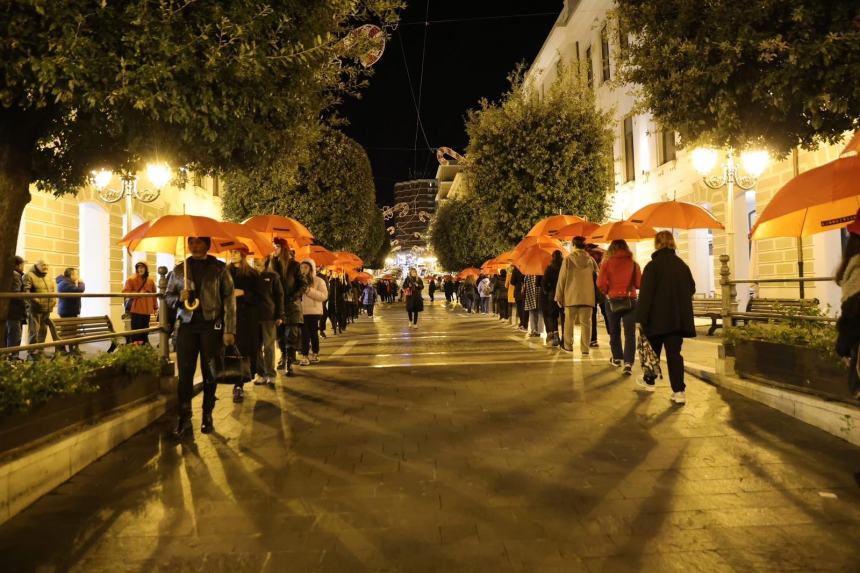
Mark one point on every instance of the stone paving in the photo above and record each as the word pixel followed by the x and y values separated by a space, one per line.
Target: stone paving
pixel 460 446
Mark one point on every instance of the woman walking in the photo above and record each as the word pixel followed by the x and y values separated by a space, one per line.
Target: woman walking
pixel 248 289
pixel 293 285
pixel 618 279
pixel 312 311
pixel 575 292
pixel 501 293
pixel 412 288
pixel 665 310
pixel 140 309
pixel 431 289
pixel 271 317
pixel 551 310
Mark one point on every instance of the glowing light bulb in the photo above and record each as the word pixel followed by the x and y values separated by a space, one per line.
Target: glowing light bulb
pixel 159 174
pixel 102 178
pixel 755 161
pixel 704 159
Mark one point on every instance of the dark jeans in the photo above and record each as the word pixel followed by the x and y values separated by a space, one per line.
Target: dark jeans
pixel 413 316
pixel 485 304
pixel 551 312
pixel 618 324
pixel 432 294
pixel 449 296
pixel 197 339
pixel 672 343
pixel 288 339
pixel 369 309
pixel 522 314
pixel 503 307
pixel 13 335
pixel 311 334
pixel 602 307
pixel 139 321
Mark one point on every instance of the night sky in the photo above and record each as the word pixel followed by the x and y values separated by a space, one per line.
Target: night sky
pixel 471 46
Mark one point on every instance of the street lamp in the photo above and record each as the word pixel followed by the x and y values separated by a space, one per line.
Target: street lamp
pixel 159 175
pixel 754 163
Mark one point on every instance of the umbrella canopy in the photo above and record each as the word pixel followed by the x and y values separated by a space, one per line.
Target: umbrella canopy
pixel 551 225
pixel 675 215
pixel 506 258
pixel 579 229
pixel 471 271
pixel 278 226
pixel 625 230
pixel 168 233
pixel 818 200
pixel 320 255
pixel 534 260
pixel 361 277
pixel 257 244
pixel 348 259
pixel 536 241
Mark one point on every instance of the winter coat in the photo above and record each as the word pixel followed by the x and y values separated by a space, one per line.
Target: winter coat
pixel 576 280
pixel 316 294
pixel 368 296
pixel 666 296
pixel 848 326
pixel 432 287
pixel 484 289
pixel 69 307
pixel 37 282
pixel 501 285
pixel 517 279
pixel 414 302
pixel 146 306
pixel 449 288
pixel 294 285
pixel 616 275
pixel 548 284
pixel 17 307
pixel 272 302
pixel 249 305
pixel 214 289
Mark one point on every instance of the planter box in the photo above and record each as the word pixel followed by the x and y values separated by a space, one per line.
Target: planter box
pixel 57 414
pixel 797 366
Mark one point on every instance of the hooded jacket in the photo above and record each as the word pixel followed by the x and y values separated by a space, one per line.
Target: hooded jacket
pixel 316 293
pixel 68 307
pixel 35 281
pixel 576 280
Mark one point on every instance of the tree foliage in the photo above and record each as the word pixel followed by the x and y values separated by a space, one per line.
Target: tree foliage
pixel 531 156
pixel 779 73
pixel 332 193
pixel 457 234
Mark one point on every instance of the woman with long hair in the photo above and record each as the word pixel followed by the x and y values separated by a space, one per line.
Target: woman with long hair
pixel 312 311
pixel 248 289
pixel 293 284
pixel 665 310
pixel 140 309
pixel 412 289
pixel 618 279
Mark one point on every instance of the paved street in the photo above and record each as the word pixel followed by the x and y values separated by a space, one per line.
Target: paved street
pixel 459 446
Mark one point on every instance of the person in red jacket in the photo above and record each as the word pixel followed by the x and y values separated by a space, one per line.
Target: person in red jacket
pixel 619 279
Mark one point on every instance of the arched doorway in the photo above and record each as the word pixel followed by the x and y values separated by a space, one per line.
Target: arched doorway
pixel 94 244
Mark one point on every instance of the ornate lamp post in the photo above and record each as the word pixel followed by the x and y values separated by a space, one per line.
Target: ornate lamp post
pixel 159 175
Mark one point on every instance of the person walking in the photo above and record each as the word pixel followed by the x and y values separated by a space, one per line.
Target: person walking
pixel 531 303
pixel 431 288
pixel 271 317
pixel 600 299
pixel 449 290
pixel 517 279
pixel 16 314
pixel 69 282
pixel 665 310
pixel 312 310
pixel 202 331
pixel 140 309
pixel 575 293
pixel 368 300
pixel 485 292
pixel 469 295
pixel 248 289
pixel 550 309
pixel 293 285
pixel 848 325
pixel 412 289
pixel 618 279
pixel 38 309
pixel 501 294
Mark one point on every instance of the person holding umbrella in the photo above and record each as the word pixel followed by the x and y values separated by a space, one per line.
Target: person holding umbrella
pixel 575 293
pixel 665 311
pixel 294 285
pixel 618 279
pixel 248 289
pixel 206 312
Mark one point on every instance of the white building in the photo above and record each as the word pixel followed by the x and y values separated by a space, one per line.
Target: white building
pixel 649 168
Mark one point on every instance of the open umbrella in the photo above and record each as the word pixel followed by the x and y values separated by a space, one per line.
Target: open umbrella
pixel 471 271
pixel 675 215
pixel 625 230
pixel 320 255
pixel 551 225
pixel 257 244
pixel 534 260
pixel 348 260
pixel 541 241
pixel 579 229
pixel 280 227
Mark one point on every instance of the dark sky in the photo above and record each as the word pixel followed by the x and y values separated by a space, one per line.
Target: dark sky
pixel 471 46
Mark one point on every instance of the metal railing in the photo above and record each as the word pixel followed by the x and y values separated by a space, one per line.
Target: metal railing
pixel 163 327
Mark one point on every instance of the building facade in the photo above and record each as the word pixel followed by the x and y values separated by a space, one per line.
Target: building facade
pixel 649 168
pixel 414 205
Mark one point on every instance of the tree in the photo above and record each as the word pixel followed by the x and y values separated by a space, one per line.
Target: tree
pixel 529 157
pixel 332 193
pixel 782 73
pixel 457 235
pixel 206 85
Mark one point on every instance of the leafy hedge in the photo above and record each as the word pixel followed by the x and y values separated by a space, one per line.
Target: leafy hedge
pixel 25 385
pixel 792 331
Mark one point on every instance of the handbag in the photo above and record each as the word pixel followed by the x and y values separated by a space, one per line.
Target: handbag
pixel 623 304
pixel 230 367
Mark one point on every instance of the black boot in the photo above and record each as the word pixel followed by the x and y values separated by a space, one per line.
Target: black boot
pixel 183 425
pixel 290 360
pixel 282 362
pixel 207 426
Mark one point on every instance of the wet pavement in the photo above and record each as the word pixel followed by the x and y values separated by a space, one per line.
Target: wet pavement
pixel 460 446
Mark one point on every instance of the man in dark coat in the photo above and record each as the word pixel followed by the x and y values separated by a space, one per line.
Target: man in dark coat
pixel 665 310
pixel 294 285
pixel 17 313
pixel 551 310
pixel 517 279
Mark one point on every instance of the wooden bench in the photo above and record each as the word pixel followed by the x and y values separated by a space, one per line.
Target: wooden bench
pixel 68 328
pixel 777 309
pixel 710 308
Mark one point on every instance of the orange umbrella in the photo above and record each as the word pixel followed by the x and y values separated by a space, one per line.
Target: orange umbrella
pixel 622 230
pixel 168 233
pixel 471 271
pixel 534 260
pixel 675 215
pixel 257 244
pixel 362 277
pixel 533 240
pixel 579 229
pixel 347 259
pixel 278 226
pixel 506 258
pixel 318 253
pixel 818 200
pixel 551 225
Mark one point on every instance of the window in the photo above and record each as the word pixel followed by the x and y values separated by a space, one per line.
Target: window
pixel 667 146
pixel 604 53
pixel 589 69
pixel 216 187
pixel 198 181
pixel 629 160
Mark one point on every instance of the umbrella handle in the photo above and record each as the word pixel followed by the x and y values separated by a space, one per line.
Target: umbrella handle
pixel 188 305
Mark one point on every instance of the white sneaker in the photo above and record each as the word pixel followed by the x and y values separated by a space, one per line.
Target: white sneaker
pixel 304 361
pixel 679 397
pixel 643 385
